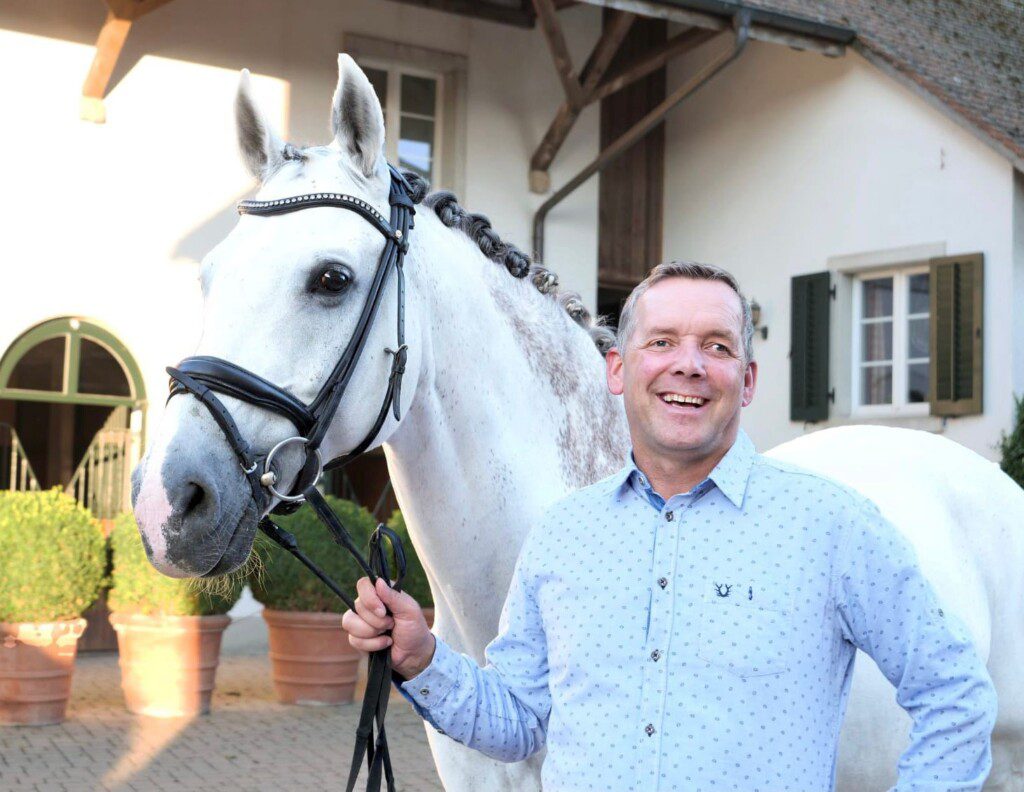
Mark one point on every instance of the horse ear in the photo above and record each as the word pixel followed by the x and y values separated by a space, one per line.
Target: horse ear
pixel 261 148
pixel 356 118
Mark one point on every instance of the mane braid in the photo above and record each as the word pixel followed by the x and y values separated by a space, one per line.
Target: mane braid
pixel 478 228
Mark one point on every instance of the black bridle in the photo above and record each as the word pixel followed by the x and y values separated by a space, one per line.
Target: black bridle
pixel 204 376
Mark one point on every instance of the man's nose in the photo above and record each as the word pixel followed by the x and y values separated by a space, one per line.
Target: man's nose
pixel 688 360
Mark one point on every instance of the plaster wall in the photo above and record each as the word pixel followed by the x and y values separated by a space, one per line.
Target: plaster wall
pixel 110 221
pixel 791 163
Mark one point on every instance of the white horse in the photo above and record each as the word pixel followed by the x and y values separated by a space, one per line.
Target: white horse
pixel 504 410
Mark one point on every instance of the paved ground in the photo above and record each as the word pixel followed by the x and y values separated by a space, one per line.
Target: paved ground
pixel 248 741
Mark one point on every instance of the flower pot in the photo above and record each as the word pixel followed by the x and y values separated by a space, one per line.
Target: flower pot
pixel 168 663
pixel 428 615
pixel 36 662
pixel 312 660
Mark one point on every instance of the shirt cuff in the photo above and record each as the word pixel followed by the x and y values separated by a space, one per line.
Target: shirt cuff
pixel 428 688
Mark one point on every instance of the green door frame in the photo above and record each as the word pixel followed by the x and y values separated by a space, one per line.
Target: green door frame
pixel 73 330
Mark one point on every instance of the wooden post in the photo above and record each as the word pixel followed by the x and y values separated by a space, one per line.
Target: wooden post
pixel 108 49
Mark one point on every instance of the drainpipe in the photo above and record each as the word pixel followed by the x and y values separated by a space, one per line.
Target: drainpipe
pixel 741 24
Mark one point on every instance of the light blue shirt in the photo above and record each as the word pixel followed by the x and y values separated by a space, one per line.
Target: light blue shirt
pixel 708 642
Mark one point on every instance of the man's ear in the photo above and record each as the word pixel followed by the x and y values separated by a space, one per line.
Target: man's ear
pixel 749 382
pixel 613 371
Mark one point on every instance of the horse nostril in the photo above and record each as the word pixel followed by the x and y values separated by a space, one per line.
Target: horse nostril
pixel 194 495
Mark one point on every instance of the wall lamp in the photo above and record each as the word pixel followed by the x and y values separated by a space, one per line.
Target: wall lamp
pixel 755 314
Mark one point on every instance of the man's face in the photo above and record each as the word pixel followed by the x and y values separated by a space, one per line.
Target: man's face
pixel 686 345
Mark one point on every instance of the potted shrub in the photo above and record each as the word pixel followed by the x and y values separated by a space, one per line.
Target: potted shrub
pixel 416 583
pixel 168 630
pixel 311 659
pixel 53 557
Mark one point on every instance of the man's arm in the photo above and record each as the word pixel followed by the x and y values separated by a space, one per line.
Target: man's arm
pixel 888 609
pixel 501 710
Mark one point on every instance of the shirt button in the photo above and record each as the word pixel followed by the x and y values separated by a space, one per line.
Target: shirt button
pixel 649 729
pixel 656 655
pixel 424 691
pixel 440 731
pixel 669 516
pixel 662 582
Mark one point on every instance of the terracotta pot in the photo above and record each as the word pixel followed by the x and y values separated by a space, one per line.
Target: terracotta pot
pixel 168 663
pixel 36 662
pixel 312 660
pixel 428 614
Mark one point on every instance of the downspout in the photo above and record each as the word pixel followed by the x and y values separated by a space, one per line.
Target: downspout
pixel 741 24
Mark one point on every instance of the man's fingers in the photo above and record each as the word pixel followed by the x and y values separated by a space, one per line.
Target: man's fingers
pixel 369 644
pixel 355 625
pixel 369 596
pixel 401 604
pixel 371 617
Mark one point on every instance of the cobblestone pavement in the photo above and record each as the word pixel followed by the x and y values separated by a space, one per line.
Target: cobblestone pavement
pixel 248 741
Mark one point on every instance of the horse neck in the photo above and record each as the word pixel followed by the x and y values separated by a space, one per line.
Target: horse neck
pixel 510 413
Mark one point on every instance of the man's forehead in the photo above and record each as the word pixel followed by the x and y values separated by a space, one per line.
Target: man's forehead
pixel 683 301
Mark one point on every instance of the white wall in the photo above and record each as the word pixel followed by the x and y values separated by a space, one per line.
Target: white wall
pixel 789 159
pixel 110 221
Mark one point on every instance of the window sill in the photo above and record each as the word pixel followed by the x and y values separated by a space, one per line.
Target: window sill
pixel 936 424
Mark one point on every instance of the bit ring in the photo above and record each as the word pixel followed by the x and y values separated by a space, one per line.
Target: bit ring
pixel 269 477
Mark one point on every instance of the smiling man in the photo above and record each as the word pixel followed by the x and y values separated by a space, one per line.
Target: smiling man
pixel 691 622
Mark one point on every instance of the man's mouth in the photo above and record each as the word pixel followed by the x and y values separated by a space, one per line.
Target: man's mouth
pixel 683 401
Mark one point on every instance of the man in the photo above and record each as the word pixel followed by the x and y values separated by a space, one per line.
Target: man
pixel 691 622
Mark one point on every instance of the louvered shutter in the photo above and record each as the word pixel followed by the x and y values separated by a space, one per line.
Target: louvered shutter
pixel 809 336
pixel 957 289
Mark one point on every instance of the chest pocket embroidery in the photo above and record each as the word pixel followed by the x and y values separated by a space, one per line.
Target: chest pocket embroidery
pixel 746 627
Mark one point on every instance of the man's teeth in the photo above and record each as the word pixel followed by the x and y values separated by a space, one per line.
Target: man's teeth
pixel 677 399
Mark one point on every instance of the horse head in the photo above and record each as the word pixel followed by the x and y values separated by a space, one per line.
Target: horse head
pixel 282 297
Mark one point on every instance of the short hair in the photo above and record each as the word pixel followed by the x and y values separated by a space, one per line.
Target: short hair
pixel 693 271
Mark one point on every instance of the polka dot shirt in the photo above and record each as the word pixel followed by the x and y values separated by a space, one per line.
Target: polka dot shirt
pixel 707 642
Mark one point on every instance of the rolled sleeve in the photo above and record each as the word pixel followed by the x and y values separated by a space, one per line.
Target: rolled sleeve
pixel 889 610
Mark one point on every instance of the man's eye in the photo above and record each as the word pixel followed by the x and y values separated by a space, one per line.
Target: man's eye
pixel 720 348
pixel 661 342
pixel 334 280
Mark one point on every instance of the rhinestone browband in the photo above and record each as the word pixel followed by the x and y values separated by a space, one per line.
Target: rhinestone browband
pixel 282 205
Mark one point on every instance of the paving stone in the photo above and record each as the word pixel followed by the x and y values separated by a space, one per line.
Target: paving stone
pixel 248 741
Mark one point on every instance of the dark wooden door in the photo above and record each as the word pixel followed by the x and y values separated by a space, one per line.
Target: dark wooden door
pixel 632 188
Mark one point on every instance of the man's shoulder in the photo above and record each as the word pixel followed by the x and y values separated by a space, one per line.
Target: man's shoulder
pixel 804 484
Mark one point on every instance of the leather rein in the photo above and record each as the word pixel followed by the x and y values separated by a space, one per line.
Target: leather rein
pixel 204 376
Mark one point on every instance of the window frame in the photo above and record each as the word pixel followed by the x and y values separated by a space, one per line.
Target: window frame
pixel 900 339
pixel 450 70
pixel 393 110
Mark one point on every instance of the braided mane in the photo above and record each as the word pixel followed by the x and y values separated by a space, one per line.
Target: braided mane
pixel 478 228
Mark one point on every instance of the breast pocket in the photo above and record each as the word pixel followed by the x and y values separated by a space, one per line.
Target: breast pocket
pixel 746 627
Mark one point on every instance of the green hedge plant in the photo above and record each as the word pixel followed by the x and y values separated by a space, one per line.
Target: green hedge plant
pixel 415 576
pixel 52 557
pixel 282 583
pixel 1012 446
pixel 138 588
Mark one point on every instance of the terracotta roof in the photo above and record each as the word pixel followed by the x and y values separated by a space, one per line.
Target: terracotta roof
pixel 966 54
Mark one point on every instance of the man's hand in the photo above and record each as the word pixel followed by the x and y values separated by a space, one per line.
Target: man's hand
pixel 411 642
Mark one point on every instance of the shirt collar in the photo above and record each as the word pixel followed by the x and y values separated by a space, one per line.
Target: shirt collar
pixel 730 475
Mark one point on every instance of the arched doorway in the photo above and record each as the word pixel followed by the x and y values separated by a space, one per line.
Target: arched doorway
pixel 72 405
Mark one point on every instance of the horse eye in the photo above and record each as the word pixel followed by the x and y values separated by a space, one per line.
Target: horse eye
pixel 335 280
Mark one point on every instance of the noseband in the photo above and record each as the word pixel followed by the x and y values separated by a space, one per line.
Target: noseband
pixel 204 376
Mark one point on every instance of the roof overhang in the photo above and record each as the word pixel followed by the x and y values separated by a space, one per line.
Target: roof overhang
pixel 770 26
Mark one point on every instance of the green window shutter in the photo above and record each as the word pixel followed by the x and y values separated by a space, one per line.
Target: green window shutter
pixel 811 298
pixel 956 334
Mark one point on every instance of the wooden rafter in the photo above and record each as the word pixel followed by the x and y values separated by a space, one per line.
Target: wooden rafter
pixel 547 15
pixel 594 88
pixel 567 113
pixel 109 44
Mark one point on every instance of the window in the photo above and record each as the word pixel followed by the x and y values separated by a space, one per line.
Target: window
pixel 423 95
pixel 412 117
pixel 891 342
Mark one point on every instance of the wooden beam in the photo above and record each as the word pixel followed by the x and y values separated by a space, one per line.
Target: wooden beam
pixel 677 45
pixel 548 17
pixel 109 44
pixel 565 117
pixel 491 12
